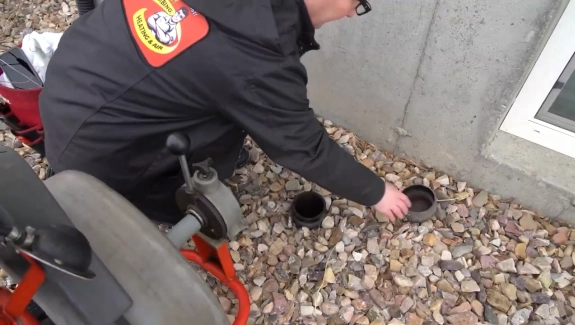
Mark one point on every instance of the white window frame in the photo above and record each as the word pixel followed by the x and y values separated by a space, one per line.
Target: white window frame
pixel 520 121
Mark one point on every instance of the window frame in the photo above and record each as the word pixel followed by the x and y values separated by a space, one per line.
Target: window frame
pixel 520 120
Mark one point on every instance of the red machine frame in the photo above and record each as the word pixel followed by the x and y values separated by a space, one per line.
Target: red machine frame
pixel 217 262
pixel 13 303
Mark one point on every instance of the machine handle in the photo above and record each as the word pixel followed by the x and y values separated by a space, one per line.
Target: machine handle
pixel 178 144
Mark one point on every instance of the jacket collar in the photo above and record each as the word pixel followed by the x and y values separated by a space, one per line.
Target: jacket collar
pixel 253 19
pixel 249 19
pixel 306 40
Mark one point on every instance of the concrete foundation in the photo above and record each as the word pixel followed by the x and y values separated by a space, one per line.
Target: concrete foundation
pixel 434 79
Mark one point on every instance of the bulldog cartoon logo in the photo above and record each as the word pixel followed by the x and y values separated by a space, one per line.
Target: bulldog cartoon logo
pixel 162 29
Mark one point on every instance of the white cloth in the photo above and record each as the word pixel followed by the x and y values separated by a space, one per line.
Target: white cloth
pixel 39 48
pixel 5 82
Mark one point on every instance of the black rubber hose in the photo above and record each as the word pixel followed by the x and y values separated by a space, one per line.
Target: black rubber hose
pixel 84 6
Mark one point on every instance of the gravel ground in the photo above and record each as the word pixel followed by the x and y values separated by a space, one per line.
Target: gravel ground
pixel 482 259
pixel 39 15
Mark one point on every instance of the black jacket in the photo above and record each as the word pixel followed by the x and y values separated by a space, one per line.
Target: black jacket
pixel 109 103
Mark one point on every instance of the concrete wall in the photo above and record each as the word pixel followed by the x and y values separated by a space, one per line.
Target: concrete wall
pixel 433 80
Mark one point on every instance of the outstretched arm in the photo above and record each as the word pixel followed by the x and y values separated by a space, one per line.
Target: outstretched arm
pixel 273 108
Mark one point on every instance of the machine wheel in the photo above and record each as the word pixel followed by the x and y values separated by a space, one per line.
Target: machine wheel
pixel 164 288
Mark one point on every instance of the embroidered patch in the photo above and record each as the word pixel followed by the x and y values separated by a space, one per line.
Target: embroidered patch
pixel 162 29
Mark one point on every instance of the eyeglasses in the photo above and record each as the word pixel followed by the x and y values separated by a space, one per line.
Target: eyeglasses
pixel 363 7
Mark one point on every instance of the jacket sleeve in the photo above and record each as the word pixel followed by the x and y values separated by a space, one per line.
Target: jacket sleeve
pixel 274 110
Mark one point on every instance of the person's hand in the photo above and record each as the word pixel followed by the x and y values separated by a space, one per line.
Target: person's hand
pixel 394 203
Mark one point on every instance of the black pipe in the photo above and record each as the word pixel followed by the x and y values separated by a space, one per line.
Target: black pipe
pixel 84 6
pixel 308 210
